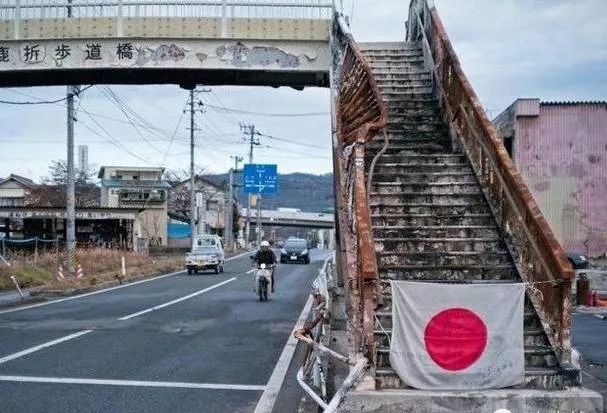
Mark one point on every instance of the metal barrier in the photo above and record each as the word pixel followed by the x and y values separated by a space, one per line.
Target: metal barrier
pixel 312 335
pixel 224 9
pixel 538 256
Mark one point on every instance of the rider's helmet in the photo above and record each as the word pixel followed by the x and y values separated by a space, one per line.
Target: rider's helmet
pixel 264 245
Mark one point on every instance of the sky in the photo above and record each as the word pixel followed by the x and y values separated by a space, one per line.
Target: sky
pixel 554 50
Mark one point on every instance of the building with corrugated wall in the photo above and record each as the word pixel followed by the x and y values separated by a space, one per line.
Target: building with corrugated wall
pixel 561 150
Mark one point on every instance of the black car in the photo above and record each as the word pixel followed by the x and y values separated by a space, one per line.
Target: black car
pixel 578 261
pixel 295 250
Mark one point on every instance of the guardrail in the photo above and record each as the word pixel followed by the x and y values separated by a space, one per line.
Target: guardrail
pixel 538 256
pixel 269 9
pixel 313 334
pixel 359 114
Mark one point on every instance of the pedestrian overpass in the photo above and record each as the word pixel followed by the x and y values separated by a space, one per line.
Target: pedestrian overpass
pixel 185 42
pixel 425 190
pixel 299 219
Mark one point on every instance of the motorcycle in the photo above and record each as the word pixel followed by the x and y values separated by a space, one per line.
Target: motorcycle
pixel 263 281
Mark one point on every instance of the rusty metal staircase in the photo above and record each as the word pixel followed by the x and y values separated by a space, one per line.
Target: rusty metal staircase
pixel 426 191
pixel 430 219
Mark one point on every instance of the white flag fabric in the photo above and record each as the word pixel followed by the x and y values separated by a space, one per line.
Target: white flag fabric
pixel 457 336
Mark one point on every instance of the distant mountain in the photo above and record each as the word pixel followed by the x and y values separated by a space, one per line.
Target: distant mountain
pixel 308 192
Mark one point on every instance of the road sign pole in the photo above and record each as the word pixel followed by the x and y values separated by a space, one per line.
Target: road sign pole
pixel 258 219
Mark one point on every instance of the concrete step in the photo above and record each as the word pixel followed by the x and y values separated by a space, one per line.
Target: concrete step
pixel 399 96
pixel 392 53
pixel 440 231
pixel 409 104
pixel 400 62
pixel 396 197
pixel 395 58
pixel 384 174
pixel 535 378
pixel 441 258
pixel 383 319
pixel 532 337
pixel 369 46
pixel 432 145
pixel 405 94
pixel 401 169
pixel 378 220
pixel 402 76
pixel 429 188
pixel 407 122
pixel 448 273
pixel 407 87
pixel 415 244
pixel 378 207
pixel 403 83
pixel 535 356
pixel 420 159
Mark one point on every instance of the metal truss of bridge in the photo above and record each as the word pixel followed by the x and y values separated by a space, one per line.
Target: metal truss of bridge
pixel 213 42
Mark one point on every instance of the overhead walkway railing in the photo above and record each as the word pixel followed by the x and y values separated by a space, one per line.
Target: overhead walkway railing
pixel 116 13
pixel 359 114
pixel 538 255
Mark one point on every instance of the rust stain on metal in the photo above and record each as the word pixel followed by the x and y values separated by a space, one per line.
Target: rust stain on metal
pixel 361 113
pixel 538 256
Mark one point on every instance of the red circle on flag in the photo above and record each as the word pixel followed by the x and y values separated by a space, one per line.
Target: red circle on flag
pixel 455 338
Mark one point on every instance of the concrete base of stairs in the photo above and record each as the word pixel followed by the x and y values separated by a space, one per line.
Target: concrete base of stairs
pixel 574 400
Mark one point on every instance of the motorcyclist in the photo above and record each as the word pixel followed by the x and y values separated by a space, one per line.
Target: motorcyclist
pixel 266 256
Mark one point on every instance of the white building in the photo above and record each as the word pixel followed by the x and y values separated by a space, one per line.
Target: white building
pixel 138 187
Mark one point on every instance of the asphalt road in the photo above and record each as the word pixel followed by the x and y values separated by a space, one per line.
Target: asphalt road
pixel 589 337
pixel 182 343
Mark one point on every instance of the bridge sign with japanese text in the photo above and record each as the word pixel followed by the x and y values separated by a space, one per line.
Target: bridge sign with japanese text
pixel 260 179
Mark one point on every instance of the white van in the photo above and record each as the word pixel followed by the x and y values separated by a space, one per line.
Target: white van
pixel 207 254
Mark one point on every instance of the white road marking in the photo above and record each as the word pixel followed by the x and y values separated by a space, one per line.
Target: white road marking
pixel 118 287
pixel 43 346
pixel 132 383
pixel 268 397
pixel 178 300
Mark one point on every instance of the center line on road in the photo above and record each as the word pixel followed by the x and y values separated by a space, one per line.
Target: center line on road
pixel 178 300
pixel 132 383
pixel 43 346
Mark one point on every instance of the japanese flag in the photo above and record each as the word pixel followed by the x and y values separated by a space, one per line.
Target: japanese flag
pixel 457 336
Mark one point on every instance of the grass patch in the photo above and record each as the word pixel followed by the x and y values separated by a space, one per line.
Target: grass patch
pixel 100 265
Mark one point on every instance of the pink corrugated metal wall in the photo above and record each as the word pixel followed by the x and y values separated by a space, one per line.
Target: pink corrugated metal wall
pixel 562 153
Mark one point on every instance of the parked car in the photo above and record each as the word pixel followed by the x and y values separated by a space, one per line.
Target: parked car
pixel 295 250
pixel 207 254
pixel 578 261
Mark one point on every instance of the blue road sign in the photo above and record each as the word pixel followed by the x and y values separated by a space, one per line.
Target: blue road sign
pixel 260 179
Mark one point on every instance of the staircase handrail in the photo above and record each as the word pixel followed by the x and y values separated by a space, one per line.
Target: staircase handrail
pixel 538 255
pixel 360 115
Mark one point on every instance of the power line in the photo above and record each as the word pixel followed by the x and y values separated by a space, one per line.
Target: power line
pixel 174 133
pixel 294 142
pixel 109 93
pixel 43 102
pixel 276 115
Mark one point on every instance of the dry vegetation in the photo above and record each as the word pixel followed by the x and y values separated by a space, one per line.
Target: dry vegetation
pixel 100 265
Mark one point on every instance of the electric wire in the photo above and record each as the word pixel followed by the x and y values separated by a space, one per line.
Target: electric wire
pixel 44 102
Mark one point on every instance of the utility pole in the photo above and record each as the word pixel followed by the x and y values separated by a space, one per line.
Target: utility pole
pixel 229 233
pixel 70 201
pixel 193 205
pixel 251 133
pixel 192 176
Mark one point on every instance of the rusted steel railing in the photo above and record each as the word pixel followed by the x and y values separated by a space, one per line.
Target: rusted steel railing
pixel 359 114
pixel 538 256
